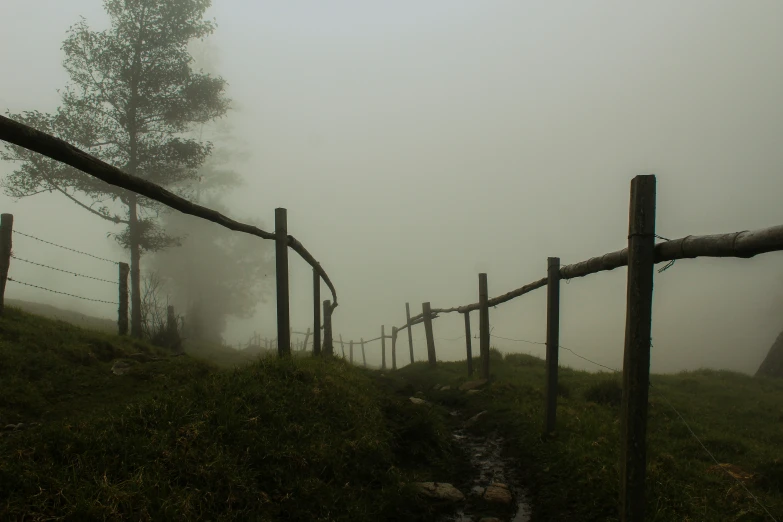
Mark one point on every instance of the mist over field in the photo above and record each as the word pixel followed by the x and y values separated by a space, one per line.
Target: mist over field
pixel 416 145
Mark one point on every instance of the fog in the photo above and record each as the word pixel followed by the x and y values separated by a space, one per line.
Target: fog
pixel 418 144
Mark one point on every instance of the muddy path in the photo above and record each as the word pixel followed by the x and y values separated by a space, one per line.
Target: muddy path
pixel 494 491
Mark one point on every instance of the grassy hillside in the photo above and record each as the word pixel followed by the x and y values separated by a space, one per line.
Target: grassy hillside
pixel 575 475
pixel 177 438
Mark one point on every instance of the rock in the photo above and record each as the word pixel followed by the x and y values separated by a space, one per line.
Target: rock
pixel 419 394
pixel 13 427
pixel 440 491
pixel 471 392
pixel 474 418
pixel 444 388
pixel 436 387
pixel 498 493
pixel 472 385
pixel 416 400
pixel 120 367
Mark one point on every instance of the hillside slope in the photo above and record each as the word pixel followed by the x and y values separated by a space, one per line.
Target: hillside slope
pixel 175 438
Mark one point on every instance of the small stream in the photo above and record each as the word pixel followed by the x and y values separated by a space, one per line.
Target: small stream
pixel 489 466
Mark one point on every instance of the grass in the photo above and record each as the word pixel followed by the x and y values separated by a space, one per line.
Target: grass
pixel 575 475
pixel 180 438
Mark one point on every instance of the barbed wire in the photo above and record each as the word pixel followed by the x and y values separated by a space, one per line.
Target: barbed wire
pixel 62 293
pixel 65 247
pixel 65 271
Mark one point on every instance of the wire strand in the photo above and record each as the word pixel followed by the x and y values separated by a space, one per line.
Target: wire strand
pixel 62 293
pixel 65 247
pixel 708 452
pixel 66 271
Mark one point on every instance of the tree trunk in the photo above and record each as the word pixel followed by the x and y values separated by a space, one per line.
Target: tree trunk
pixel 135 263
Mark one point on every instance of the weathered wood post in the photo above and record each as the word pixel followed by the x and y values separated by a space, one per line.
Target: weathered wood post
pixel 307 338
pixel 316 313
pixel 468 346
pixel 342 346
pixel 328 344
pixel 394 347
pixel 281 267
pixel 484 326
pixel 410 328
pixel 636 360
pixel 383 348
pixel 364 358
pixel 122 311
pixel 351 349
pixel 6 240
pixel 552 341
pixel 427 314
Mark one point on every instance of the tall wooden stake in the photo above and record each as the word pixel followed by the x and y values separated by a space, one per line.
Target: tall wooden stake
pixel 364 357
pixel 328 344
pixel 427 313
pixel 122 311
pixel 342 346
pixel 316 312
pixel 552 341
pixel 484 326
pixel 383 348
pixel 281 266
pixel 351 350
pixel 394 347
pixel 307 338
pixel 410 328
pixel 468 346
pixel 636 361
pixel 6 240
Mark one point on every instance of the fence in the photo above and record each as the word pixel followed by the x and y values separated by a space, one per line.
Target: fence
pixel 640 257
pixel 27 137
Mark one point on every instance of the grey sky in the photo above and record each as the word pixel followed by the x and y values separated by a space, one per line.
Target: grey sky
pixel 416 144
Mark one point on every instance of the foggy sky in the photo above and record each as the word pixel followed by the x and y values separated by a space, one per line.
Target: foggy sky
pixel 418 144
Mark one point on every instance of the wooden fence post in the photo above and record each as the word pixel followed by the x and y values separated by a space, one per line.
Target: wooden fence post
pixel 281 268
pixel 636 360
pixel 484 326
pixel 342 346
pixel 316 313
pixel 426 312
pixel 351 349
pixel 552 341
pixel 328 344
pixel 394 347
pixel 468 346
pixel 383 348
pixel 122 311
pixel 364 358
pixel 410 328
pixel 6 240
pixel 307 338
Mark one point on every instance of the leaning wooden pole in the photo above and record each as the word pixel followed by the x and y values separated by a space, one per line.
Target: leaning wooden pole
pixel 383 347
pixel 281 267
pixel 636 360
pixel 364 357
pixel 427 314
pixel 350 346
pixel 122 310
pixel 552 342
pixel 468 346
pixel 483 326
pixel 316 312
pixel 410 328
pixel 307 338
pixel 6 239
pixel 342 346
pixel 394 347
pixel 328 344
